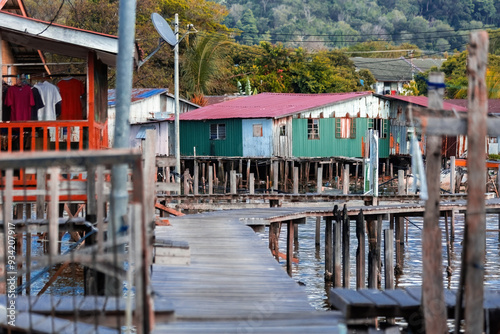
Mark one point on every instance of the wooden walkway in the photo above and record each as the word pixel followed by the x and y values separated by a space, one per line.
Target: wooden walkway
pixel 233 284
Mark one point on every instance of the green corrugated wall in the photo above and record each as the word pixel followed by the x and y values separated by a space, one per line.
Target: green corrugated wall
pixel 197 134
pixel 328 145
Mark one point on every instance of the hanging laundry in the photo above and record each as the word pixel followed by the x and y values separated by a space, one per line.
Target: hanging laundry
pixel 51 97
pixel 71 91
pixel 20 99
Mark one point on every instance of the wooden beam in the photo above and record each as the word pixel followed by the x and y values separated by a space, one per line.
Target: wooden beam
pixel 476 219
pixel 432 276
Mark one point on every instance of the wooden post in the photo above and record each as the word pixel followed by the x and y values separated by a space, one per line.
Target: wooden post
pixel 498 178
pixel 399 244
pixel 328 249
pixel 196 176
pixel 275 175
pixel 453 177
pixel 337 244
pixel 378 250
pixel 317 235
pixel 391 170
pixel 345 180
pixel 449 270
pixel 249 164
pixel 319 180
pixel 346 237
pixel 389 259
pixel 356 176
pixel 476 165
pixel 296 233
pixel 53 210
pixel 186 181
pixel 432 277
pixel 295 180
pixel 372 253
pixel 211 179
pixel 289 247
pixel 233 182
pixel 360 251
pixel 274 240
pixel 285 177
pixel 251 184
pixel 401 182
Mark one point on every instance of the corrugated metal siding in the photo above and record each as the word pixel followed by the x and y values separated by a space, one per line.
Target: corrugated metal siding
pixel 328 145
pixel 257 146
pixel 161 129
pixel 399 130
pixel 366 106
pixel 197 134
pixel 282 144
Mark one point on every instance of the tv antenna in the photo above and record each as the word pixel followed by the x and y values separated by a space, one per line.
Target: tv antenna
pixel 166 34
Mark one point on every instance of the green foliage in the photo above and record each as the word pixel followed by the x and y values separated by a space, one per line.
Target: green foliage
pixel 205 65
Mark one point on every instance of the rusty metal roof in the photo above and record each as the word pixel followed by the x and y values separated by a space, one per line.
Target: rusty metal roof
pixel 269 105
pixel 422 101
pixel 493 104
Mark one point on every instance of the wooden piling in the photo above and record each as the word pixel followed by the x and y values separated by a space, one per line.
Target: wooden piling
pixel 401 182
pixel 346 237
pixel 345 180
pixel 296 234
pixel 449 270
pixel 319 180
pixel 274 240
pixel 186 182
pixel 232 182
pixel 389 259
pixel 251 184
pixel 275 176
pixel 328 249
pixel 337 246
pixel 211 179
pixel 399 244
pixel 453 177
pixel 360 251
pixel 289 247
pixel 378 250
pixel 317 235
pixel 196 176
pixel 372 253
pixel 295 180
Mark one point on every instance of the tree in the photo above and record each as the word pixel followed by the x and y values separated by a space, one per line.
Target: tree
pixel 205 66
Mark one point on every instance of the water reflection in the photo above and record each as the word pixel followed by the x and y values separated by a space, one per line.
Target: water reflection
pixel 310 268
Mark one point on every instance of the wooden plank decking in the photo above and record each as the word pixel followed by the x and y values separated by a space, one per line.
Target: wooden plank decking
pixel 405 303
pixel 232 284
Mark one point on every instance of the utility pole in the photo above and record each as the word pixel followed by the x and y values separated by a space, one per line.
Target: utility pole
pixel 176 96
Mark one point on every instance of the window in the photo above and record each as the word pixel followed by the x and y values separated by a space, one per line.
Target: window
pixel 345 128
pixel 218 131
pixel 313 128
pixel 379 125
pixel 282 130
pixel 257 130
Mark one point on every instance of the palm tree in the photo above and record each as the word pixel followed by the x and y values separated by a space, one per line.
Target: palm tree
pixel 206 66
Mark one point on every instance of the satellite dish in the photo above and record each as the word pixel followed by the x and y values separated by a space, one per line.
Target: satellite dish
pixel 163 29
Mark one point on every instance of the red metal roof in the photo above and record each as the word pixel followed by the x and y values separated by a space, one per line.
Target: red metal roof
pixel 493 104
pixel 268 105
pixel 423 101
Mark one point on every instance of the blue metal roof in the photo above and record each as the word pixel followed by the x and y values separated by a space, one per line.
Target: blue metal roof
pixel 137 94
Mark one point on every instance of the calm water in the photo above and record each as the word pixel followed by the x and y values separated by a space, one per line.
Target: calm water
pixel 311 266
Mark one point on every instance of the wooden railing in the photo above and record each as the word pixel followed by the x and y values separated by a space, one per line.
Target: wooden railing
pixel 52 136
